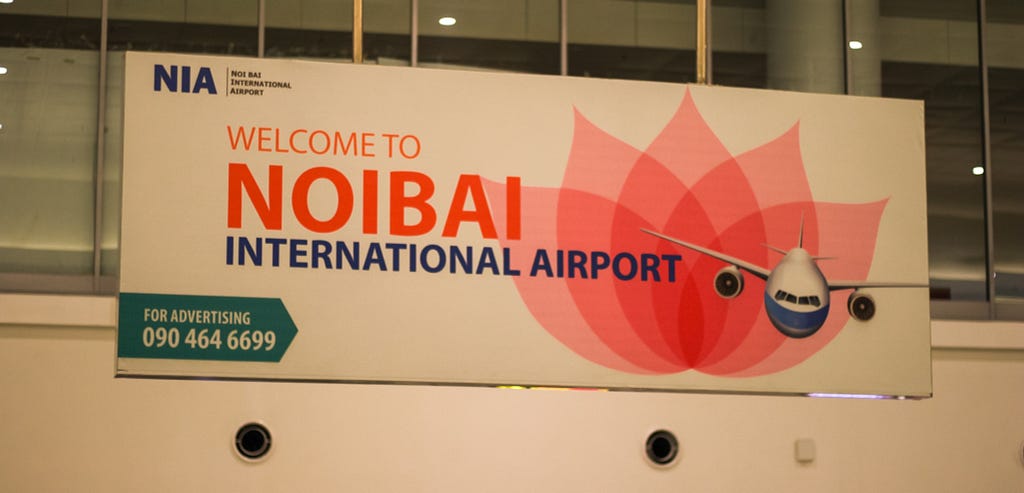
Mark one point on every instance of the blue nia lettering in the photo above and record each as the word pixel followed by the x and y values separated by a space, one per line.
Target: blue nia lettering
pixel 170 78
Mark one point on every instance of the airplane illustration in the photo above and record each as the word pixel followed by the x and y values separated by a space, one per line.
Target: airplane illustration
pixel 796 293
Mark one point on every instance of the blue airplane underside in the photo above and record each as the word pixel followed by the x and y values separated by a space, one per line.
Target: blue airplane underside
pixel 793 323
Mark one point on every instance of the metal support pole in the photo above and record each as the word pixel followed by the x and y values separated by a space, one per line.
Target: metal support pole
pixel 986 158
pixel 261 27
pixel 101 117
pixel 703 42
pixel 563 37
pixel 357 31
pixel 847 60
pixel 414 32
pixel 862 65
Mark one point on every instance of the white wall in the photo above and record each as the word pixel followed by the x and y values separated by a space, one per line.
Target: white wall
pixel 67 425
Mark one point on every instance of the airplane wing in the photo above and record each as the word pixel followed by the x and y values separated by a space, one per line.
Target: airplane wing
pixel 742 264
pixel 837 285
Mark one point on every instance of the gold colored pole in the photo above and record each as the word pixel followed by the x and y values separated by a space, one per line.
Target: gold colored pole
pixel 563 37
pixel 414 33
pixel 702 42
pixel 261 28
pixel 357 31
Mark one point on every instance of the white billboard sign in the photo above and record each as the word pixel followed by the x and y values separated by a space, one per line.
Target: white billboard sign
pixel 318 221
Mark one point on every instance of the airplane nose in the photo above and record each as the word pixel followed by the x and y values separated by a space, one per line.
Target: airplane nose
pixel 793 324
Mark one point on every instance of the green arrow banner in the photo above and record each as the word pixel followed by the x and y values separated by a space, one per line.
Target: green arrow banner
pixel 219 328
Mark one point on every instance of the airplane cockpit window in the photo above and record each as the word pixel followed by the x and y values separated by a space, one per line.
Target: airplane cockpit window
pixel 781 295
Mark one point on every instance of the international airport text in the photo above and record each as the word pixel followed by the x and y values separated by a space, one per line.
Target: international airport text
pixel 297 253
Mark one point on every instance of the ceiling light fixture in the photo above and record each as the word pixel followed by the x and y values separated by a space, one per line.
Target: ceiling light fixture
pixel 3 70
pixel 978 170
pixel 446 21
pixel 856 45
pixel 6 1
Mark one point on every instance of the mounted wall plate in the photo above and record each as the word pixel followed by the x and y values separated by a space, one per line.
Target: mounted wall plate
pixel 804 450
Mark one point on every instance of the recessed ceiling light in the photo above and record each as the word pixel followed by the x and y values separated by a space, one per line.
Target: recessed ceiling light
pixel 3 70
pixel 1 126
pixel 856 45
pixel 6 1
pixel 446 21
pixel 978 170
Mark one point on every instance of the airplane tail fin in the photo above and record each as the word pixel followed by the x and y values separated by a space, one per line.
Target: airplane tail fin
pixel 799 243
pixel 800 240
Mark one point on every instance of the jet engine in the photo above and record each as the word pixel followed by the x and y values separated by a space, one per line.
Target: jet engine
pixel 729 282
pixel 861 306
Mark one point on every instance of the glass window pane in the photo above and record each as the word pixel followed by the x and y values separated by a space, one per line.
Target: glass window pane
pixel 186 26
pixel 793 45
pixel 48 106
pixel 929 52
pixel 513 35
pixel 110 253
pixel 739 56
pixel 73 25
pixel 386 26
pixel 633 39
pixel 320 29
pixel 1005 32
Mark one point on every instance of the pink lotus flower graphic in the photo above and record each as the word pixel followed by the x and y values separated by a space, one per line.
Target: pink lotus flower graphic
pixel 685 184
